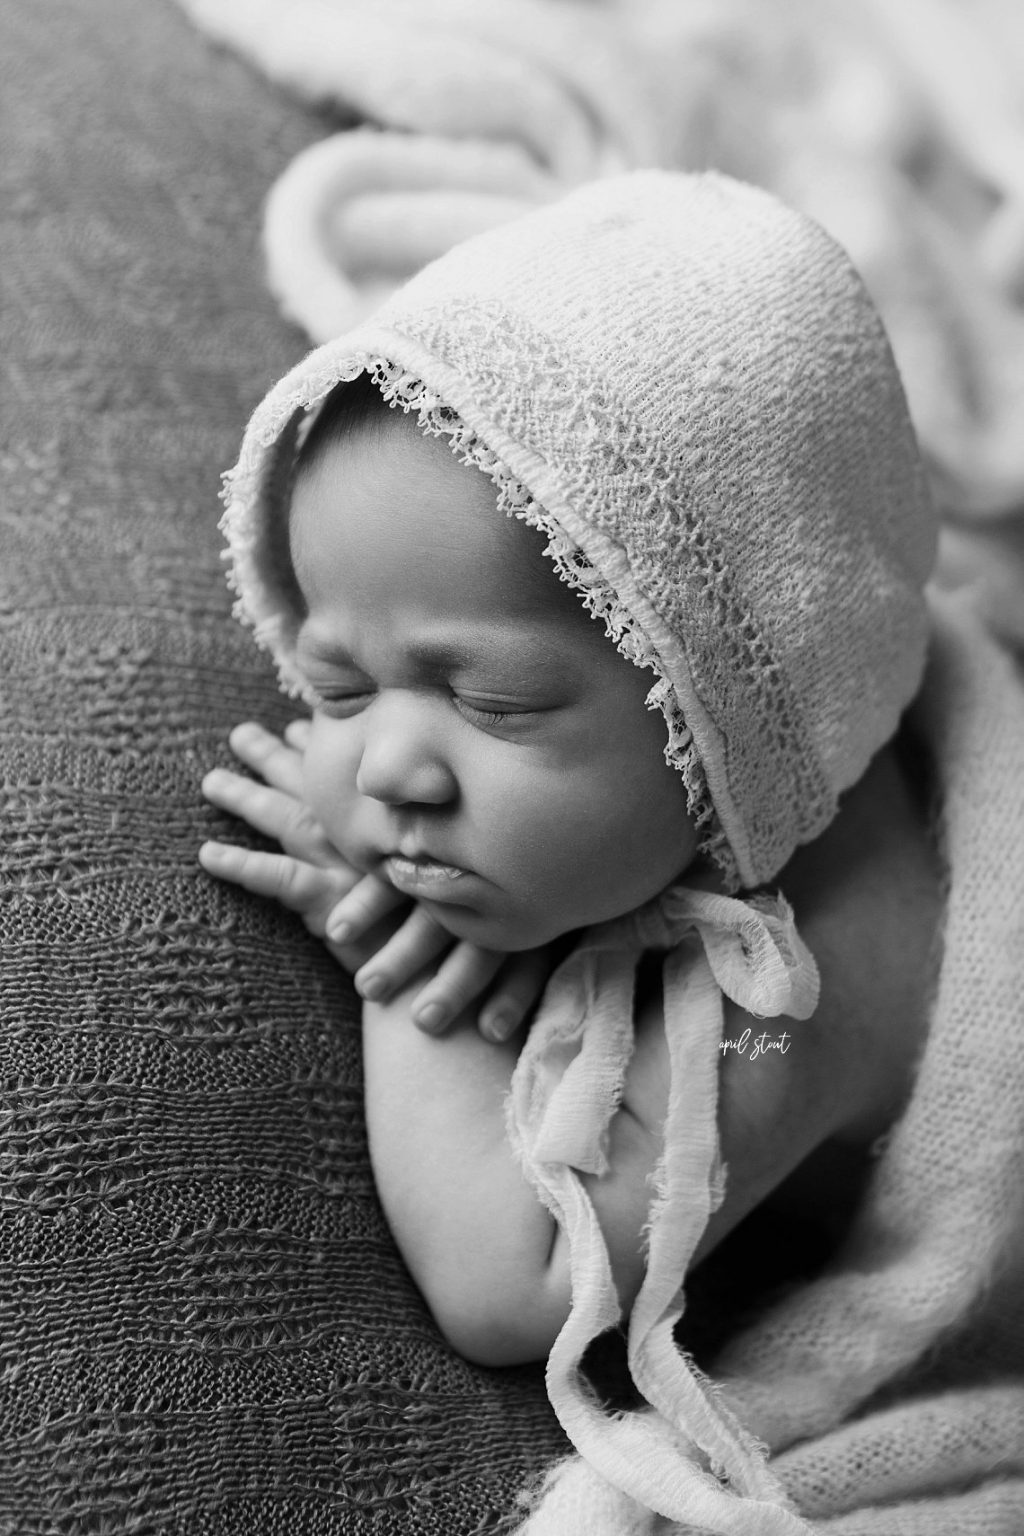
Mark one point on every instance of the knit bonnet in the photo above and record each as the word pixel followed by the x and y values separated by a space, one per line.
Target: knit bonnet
pixel 685 385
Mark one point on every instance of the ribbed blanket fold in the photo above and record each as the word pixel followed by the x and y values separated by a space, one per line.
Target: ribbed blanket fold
pixel 901 129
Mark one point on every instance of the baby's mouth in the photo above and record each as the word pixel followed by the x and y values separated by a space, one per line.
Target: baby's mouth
pixel 421 876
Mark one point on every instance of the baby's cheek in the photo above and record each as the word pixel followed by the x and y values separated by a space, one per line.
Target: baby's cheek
pixel 329 790
pixel 562 864
pixel 637 845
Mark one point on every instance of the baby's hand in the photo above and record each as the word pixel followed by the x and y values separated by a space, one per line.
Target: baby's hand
pixel 309 876
pixel 461 979
pixel 367 925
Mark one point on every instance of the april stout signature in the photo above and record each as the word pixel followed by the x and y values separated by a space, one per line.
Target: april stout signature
pixel 752 1046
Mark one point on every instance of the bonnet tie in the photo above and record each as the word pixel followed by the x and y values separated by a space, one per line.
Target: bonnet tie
pixel 688 1456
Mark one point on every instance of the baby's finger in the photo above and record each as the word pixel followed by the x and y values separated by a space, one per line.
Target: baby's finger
pixel 461 978
pixel 296 734
pixel 515 993
pixel 355 955
pixel 295 884
pixel 370 899
pixel 273 812
pixel 412 946
pixel 266 754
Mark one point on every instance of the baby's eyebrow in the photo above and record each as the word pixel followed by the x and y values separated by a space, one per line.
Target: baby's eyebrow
pixel 425 656
pixel 327 651
pixel 501 646
pixel 506 646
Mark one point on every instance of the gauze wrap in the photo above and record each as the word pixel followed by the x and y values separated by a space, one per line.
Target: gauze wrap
pixel 685 386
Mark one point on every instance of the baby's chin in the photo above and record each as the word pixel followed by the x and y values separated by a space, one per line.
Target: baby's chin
pixel 512 919
pixel 507 935
pixel 515 933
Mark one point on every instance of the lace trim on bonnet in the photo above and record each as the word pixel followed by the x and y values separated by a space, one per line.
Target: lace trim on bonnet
pixel 263 475
pixel 405 391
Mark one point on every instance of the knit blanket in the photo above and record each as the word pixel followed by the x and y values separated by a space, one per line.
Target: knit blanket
pixel 900 128
pixel 205 1327
pixel 206 1330
pixel 889 1391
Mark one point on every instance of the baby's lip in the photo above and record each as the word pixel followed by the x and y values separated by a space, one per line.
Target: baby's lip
pixel 420 874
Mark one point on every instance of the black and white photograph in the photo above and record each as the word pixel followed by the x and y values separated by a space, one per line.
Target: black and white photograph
pixel 512 768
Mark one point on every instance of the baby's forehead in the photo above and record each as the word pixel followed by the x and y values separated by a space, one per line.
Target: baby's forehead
pixel 383 485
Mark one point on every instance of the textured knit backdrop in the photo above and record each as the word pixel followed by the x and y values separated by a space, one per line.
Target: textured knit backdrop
pixel 204 1326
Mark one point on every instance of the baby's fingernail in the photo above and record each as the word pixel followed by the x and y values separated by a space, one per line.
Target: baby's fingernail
pixel 501 1025
pixel 338 932
pixel 430 1016
pixel 372 988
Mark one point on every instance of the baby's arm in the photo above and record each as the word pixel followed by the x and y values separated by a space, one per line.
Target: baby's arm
pixel 368 927
pixel 489 1258
pixel 487 1255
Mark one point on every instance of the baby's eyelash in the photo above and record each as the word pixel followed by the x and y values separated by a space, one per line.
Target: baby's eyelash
pixel 482 714
pixel 338 705
pixel 487 716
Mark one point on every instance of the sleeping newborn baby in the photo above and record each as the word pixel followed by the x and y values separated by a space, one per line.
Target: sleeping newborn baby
pixel 598 556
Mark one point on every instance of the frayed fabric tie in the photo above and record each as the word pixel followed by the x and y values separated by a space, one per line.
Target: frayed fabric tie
pixel 687 1458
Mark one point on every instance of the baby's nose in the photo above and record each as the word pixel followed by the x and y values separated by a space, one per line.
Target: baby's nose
pixel 403 759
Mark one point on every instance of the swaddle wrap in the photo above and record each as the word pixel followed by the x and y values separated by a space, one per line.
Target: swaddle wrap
pixel 685 386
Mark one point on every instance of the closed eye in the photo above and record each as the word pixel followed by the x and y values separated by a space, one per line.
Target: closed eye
pixel 339 704
pixel 485 712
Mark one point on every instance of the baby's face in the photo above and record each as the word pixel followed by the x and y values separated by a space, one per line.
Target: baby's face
pixel 478 740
